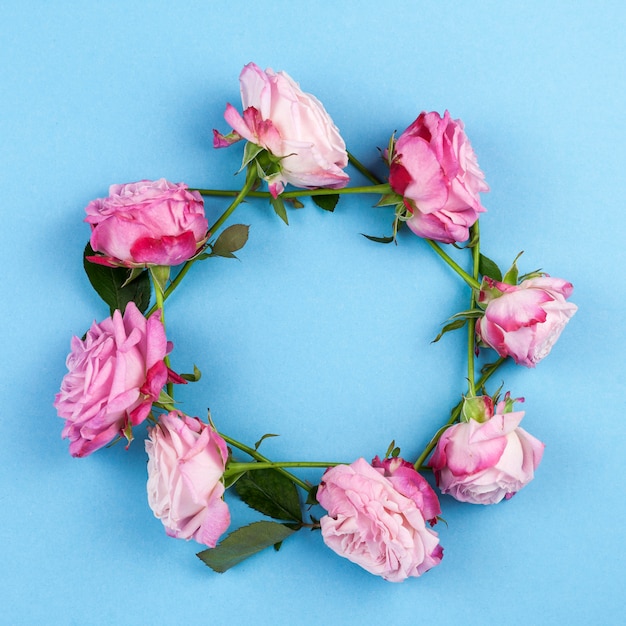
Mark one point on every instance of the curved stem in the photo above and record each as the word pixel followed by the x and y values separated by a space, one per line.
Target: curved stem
pixel 379 188
pixel 261 459
pixel 159 275
pixel 419 463
pixel 471 322
pixel 251 178
pixel 470 280
pixel 363 170
pixel 259 465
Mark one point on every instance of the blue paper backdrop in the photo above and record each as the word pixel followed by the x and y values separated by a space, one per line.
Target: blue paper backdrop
pixel 316 333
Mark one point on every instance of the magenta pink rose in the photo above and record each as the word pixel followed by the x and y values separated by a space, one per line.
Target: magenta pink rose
pixel 147 223
pixel 524 321
pixel 292 126
pixel 435 169
pixel 115 374
pixel 484 461
pixel 186 461
pixel 377 517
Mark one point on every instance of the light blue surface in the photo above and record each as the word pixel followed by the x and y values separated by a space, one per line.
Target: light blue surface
pixel 316 334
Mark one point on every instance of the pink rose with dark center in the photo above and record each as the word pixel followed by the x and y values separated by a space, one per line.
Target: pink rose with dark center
pixel 115 374
pixel 292 126
pixel 186 461
pixel 482 462
pixel 434 168
pixel 147 223
pixel 377 517
pixel 524 321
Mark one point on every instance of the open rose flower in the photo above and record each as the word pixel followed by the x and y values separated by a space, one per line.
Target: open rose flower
pixel 524 321
pixel 186 461
pixel 377 517
pixel 147 223
pixel 484 460
pixel 292 126
pixel 115 374
pixel 434 168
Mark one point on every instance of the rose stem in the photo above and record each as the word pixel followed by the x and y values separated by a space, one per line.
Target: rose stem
pixel 490 369
pixel 471 322
pixel 159 306
pixel 471 281
pixel 381 188
pixel 363 170
pixel 261 459
pixel 239 197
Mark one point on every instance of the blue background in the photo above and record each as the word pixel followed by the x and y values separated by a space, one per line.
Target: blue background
pixel 316 333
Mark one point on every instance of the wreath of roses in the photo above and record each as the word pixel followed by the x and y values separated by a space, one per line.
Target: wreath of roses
pixel 379 514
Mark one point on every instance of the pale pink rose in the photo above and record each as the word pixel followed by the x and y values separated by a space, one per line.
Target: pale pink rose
pixel 377 518
pixel 482 462
pixel 434 168
pixel 147 223
pixel 186 461
pixel 115 374
pixel 291 125
pixel 524 321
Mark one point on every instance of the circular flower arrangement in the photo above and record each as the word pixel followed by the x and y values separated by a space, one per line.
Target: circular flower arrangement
pixel 145 236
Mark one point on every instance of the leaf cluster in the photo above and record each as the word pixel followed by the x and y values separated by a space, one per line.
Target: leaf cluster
pixel 271 493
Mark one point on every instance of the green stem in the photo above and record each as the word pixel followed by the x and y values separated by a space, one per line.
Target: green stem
pixel 259 465
pixel 251 178
pixel 363 170
pixel 381 188
pixel 261 459
pixel 470 280
pixel 471 322
pixel 419 463
pixel 158 282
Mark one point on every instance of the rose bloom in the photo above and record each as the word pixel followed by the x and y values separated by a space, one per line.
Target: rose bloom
pixel 290 124
pixel 435 169
pixel 482 462
pixel 115 374
pixel 186 461
pixel 377 517
pixel 524 321
pixel 147 223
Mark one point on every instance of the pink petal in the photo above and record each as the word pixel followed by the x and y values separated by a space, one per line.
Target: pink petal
pixel 518 309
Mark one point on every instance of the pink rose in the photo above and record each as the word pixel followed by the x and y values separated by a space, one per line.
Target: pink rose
pixel 524 321
pixel 147 223
pixel 377 517
pixel 435 169
pixel 186 461
pixel 115 374
pixel 482 462
pixel 292 126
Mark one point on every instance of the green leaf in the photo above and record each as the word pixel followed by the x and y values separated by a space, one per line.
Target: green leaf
pixel 192 378
pixel 243 543
pixel 230 240
pixel 378 239
pixel 328 203
pixel 311 497
pixel 112 284
pixel 279 208
pixel 265 436
pixel 510 278
pixel 389 199
pixel 392 445
pixel 295 203
pixel 250 152
pixel 455 325
pixel 271 493
pixel 489 268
